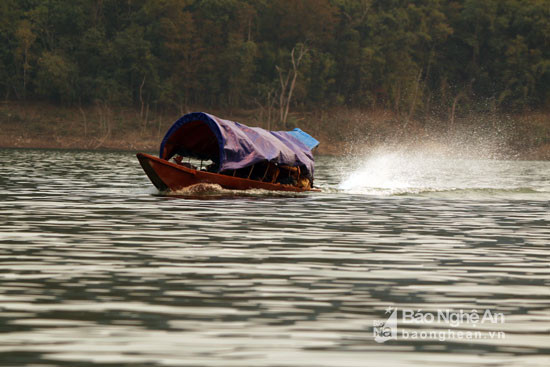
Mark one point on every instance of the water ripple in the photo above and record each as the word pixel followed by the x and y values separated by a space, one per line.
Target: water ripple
pixel 98 269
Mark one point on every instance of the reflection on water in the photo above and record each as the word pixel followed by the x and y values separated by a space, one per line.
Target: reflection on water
pixel 97 269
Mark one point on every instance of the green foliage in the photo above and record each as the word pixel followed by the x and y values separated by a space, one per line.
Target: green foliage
pixel 410 56
pixel 56 77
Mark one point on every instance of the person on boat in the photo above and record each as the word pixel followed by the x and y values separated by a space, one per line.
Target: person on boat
pixel 272 172
pixel 304 183
pixel 293 176
pixel 213 167
pixel 178 159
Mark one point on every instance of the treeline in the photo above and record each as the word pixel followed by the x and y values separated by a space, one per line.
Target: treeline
pixel 413 57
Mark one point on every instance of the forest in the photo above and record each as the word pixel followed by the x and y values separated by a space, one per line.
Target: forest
pixel 415 58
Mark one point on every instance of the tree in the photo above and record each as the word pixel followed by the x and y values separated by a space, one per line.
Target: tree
pixel 285 96
pixel 25 39
pixel 10 14
pixel 56 77
pixel 411 56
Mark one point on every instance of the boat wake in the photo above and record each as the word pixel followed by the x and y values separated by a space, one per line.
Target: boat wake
pixel 199 189
pixel 422 173
pixel 214 191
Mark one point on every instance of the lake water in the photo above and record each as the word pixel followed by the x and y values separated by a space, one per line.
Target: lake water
pixel 98 269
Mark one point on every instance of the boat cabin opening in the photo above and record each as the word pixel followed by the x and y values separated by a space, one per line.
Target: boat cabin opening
pixel 263 171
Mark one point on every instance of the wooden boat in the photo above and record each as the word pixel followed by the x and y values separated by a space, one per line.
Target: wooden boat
pixel 242 157
pixel 166 175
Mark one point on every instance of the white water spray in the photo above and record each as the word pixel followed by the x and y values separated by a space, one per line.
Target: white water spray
pixel 394 171
pixel 399 172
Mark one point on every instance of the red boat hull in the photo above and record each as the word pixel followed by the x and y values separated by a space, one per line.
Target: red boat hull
pixel 166 175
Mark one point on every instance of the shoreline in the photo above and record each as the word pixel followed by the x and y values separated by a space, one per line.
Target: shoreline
pixel 342 132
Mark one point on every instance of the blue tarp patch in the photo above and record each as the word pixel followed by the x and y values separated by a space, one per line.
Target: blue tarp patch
pixel 304 137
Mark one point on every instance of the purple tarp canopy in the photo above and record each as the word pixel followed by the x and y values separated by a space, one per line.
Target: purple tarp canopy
pixel 232 145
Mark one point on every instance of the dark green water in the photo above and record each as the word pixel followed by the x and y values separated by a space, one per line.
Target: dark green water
pixel 97 269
